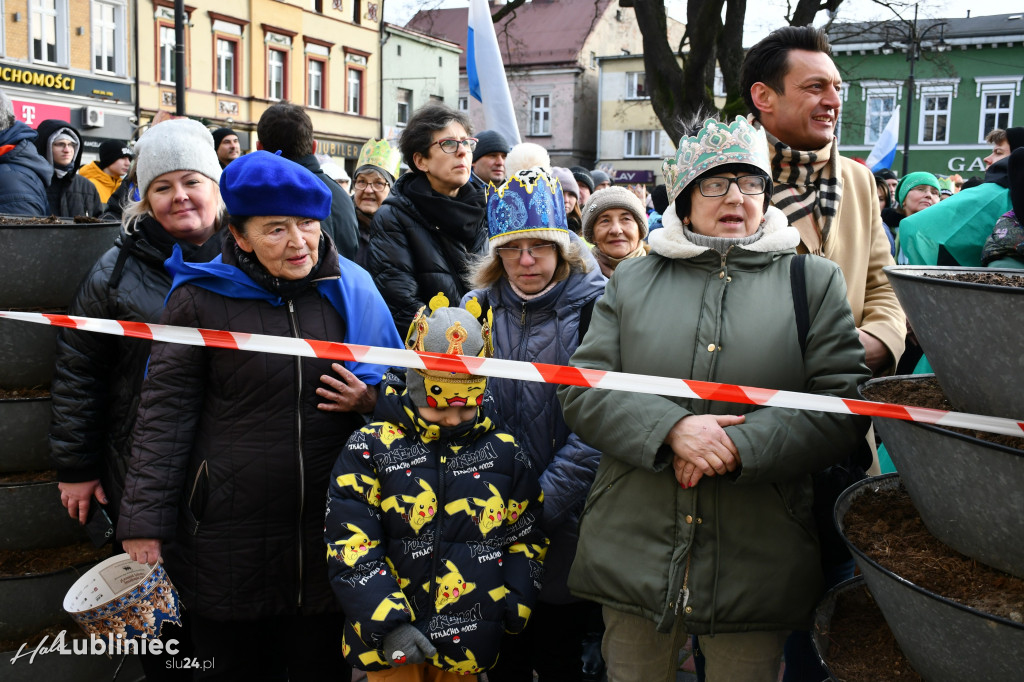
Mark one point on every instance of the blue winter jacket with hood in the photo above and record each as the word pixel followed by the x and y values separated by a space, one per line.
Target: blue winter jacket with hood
pixel 24 174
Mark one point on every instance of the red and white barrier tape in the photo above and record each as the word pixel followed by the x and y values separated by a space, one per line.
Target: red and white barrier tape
pixel 526 371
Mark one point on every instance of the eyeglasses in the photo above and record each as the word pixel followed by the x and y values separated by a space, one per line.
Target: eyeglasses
pixel 511 253
pixel 719 187
pixel 376 185
pixel 450 145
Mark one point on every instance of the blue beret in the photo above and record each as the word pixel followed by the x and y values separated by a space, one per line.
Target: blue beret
pixel 262 183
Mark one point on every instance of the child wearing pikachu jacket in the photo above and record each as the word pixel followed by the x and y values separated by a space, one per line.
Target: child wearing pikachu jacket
pixel 434 549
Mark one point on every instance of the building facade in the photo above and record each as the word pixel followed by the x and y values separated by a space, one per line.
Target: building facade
pixel 417 69
pixel 70 60
pixel 967 82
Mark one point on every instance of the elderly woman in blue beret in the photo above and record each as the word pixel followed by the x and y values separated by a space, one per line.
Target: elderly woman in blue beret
pixel 233 449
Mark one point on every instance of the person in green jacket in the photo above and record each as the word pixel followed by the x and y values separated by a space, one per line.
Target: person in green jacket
pixel 710 499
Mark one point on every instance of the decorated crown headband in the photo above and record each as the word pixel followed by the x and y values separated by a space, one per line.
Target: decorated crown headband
pixel 716 144
pixel 462 333
pixel 529 200
pixel 380 154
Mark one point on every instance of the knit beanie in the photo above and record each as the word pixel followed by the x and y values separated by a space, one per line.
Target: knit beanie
pixel 175 145
pixel 599 177
pixel 583 176
pixel 488 142
pixel 1016 173
pixel 1015 137
pixel 565 177
pixel 529 205
pixel 454 331
pixel 219 134
pixel 112 150
pixel 613 197
pixel 261 184
pixel 912 180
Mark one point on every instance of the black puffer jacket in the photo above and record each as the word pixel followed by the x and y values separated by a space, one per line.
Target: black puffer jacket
pixel 411 257
pixel 341 224
pixel 71 195
pixel 98 377
pixel 232 457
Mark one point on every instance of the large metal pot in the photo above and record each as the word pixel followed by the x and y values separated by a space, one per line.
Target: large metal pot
pixel 944 641
pixel 27 354
pixel 32 517
pixel 24 423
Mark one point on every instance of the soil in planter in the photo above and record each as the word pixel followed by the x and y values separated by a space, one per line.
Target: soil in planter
pixel 982 278
pixel 19 393
pixel 21 562
pixel 862 648
pixel 29 477
pixel 886 526
pixel 51 220
pixel 72 631
pixel 926 392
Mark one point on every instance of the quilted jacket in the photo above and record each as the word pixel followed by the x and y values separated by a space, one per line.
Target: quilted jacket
pixel 231 456
pixel 435 526
pixel 98 377
pixel 545 329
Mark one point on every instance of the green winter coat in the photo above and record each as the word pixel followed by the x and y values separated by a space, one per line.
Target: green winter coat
pixel 747 540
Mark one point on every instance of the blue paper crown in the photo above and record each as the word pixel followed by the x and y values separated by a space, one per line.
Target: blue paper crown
pixel 530 200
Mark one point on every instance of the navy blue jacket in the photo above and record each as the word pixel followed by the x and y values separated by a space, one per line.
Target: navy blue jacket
pixel 24 174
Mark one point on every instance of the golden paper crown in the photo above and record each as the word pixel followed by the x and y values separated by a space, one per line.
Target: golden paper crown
pixel 715 144
pixel 380 154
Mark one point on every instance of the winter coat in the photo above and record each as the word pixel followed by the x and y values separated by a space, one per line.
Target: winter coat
pixel 97 380
pixel 104 184
pixel 231 455
pixel 340 225
pixel 24 174
pixel 71 195
pixel 737 552
pixel 436 526
pixel 1004 248
pixel 412 259
pixel 545 329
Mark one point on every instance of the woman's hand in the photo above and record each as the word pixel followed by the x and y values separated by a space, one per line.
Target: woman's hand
pixel 76 497
pixel 702 448
pixel 347 395
pixel 143 550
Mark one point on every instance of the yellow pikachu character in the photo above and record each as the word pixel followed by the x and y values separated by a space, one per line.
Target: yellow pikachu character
pixel 516 509
pixel 350 550
pixel 466 666
pixel 491 511
pixel 451 586
pixel 393 602
pixel 422 507
pixel 367 486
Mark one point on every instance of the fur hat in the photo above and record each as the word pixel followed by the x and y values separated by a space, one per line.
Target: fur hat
pixel 112 150
pixel 565 177
pixel 262 184
pixel 488 142
pixel 175 145
pixel 454 331
pixel 583 176
pixel 526 155
pixel 613 197
pixel 529 205
pixel 219 134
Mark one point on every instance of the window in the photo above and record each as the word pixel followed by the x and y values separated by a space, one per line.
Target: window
pixel 276 61
pixel 540 115
pixel 463 104
pixel 398 49
pixel 315 83
pixel 636 85
pixel 934 126
pixel 996 94
pixel 879 110
pixel 108 50
pixel 357 11
pixel 355 92
pixel 641 143
pixel 404 99
pixel 227 59
pixel 168 67
pixel 48 23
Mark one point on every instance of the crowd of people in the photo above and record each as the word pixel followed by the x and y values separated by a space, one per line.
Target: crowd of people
pixel 481 524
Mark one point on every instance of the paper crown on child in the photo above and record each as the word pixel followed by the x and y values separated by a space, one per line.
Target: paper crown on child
pixel 380 154
pixel 715 144
pixel 454 331
pixel 529 205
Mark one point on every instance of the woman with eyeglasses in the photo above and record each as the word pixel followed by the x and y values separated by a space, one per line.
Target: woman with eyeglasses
pixel 432 224
pixel 540 284
pixel 376 170
pixel 699 520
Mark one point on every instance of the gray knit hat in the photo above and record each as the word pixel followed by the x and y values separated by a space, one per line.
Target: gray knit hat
pixel 599 177
pixel 175 145
pixel 613 197
pixel 565 177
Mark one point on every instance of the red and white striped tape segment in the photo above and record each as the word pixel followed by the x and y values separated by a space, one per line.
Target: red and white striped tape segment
pixel 526 371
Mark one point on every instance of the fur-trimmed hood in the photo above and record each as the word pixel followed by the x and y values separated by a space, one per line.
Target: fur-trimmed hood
pixel 671 242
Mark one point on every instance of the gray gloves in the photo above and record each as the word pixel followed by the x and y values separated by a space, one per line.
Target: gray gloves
pixel 405 644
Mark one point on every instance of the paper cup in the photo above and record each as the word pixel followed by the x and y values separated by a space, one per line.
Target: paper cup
pixel 124 599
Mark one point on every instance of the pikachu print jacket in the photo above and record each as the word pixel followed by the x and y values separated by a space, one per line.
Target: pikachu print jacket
pixel 435 526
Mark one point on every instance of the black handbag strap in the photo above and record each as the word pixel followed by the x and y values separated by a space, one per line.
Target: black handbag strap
pixel 798 281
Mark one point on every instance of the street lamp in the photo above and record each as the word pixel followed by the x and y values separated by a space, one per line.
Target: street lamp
pixel 913 40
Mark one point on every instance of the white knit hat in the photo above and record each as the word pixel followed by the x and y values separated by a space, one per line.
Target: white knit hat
pixel 175 145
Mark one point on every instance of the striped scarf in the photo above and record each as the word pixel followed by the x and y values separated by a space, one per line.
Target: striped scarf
pixel 807 189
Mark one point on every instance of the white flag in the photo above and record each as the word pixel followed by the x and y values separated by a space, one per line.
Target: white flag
pixel 884 152
pixel 486 73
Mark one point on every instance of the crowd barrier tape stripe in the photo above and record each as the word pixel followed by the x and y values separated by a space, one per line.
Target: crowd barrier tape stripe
pixel 525 371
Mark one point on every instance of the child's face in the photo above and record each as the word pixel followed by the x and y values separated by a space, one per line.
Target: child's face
pixel 447 416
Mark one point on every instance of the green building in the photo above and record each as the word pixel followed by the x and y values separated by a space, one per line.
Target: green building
pixel 967 81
